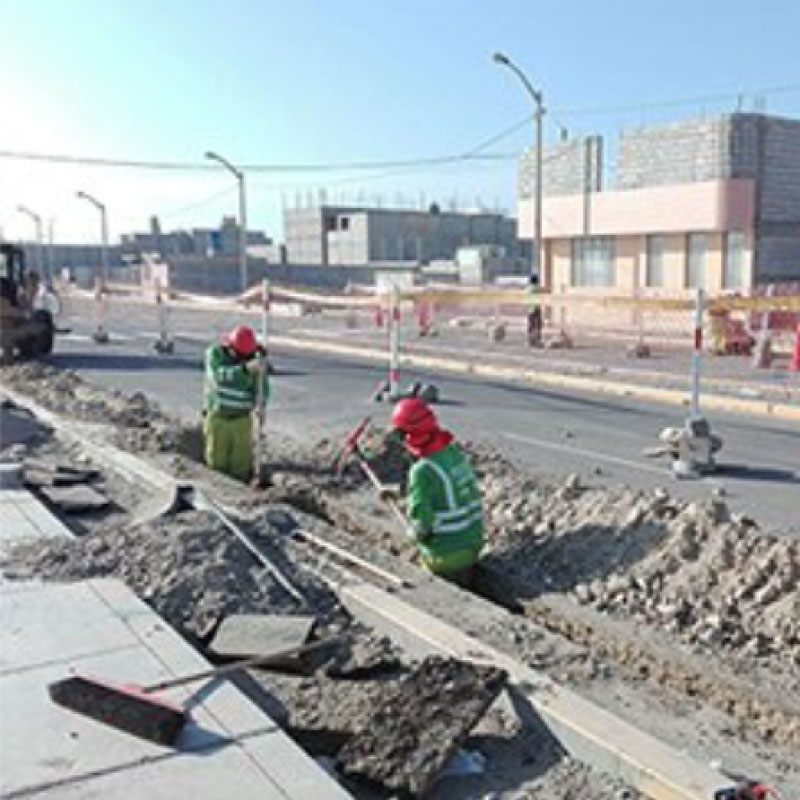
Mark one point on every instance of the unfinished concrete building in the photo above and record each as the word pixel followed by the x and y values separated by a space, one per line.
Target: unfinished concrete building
pixel 338 235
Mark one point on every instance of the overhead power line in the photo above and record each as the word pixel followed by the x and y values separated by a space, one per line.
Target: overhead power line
pixel 91 161
pixel 788 88
pixel 475 153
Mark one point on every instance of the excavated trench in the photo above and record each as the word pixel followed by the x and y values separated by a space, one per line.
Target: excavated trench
pixel 348 704
pixel 616 593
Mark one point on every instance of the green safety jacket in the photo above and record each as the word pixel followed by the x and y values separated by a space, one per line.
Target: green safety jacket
pixel 230 389
pixel 533 298
pixel 445 510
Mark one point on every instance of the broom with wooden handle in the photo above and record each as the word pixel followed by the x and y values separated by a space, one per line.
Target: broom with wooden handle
pixel 138 710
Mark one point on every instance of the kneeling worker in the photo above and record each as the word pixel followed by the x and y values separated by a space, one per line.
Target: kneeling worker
pixel 444 504
pixel 233 370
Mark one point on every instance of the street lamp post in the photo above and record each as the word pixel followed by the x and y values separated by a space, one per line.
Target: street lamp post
pixel 538 102
pixel 102 276
pixel 37 219
pixel 239 175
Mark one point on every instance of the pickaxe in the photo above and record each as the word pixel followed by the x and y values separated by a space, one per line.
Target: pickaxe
pixel 352 447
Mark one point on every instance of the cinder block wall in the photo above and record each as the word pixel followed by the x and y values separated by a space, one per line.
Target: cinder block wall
pixel 563 169
pixel 778 223
pixel 684 152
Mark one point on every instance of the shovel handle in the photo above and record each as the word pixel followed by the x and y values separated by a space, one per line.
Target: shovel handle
pixel 246 663
pixel 376 482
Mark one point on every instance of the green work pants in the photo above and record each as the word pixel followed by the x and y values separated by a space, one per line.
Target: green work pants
pixel 451 565
pixel 229 445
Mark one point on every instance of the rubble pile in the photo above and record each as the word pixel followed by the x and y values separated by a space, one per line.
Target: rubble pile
pixel 188 566
pixel 140 425
pixel 692 569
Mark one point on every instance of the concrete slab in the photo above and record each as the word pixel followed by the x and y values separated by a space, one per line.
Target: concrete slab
pixel 245 635
pixel 231 748
pixel 422 720
pixel 23 516
pixel 75 499
pixel 62 624
pixel 589 733
pixel 40 474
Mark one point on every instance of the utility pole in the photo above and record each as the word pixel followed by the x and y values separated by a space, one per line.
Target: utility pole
pixel 539 111
pixel 37 219
pixel 239 175
pixel 50 248
pixel 101 275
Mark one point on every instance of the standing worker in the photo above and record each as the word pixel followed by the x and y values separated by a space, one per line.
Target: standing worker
pixel 444 504
pixel 232 372
pixel 534 315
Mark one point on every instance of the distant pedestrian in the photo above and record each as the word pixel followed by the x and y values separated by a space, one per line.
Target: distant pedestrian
pixel 232 372
pixel 534 315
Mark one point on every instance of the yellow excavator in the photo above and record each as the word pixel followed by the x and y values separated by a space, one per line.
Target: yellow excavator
pixel 27 326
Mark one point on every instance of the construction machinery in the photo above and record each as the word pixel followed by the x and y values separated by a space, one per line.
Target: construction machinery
pixel 27 327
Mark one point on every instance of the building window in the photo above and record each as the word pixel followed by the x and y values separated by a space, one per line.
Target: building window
pixel 344 223
pixel 733 269
pixel 654 267
pixel 593 261
pixel 696 248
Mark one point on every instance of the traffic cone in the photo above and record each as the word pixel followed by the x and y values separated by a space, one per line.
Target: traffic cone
pixel 795 365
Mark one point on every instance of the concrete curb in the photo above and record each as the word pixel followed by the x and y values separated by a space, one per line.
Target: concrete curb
pixel 589 733
pixel 629 390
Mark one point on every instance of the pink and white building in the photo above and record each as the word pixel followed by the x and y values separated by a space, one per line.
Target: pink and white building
pixel 713 203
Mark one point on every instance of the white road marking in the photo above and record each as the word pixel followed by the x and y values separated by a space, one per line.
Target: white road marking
pixel 83 337
pixel 579 451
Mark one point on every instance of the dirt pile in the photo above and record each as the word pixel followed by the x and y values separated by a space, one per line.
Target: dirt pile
pixel 694 569
pixel 188 566
pixel 140 425
pixel 385 452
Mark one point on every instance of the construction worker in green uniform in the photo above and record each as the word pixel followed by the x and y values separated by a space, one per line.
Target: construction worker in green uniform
pixel 444 505
pixel 232 373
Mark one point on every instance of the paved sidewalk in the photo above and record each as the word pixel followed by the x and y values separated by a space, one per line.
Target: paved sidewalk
pixel 23 516
pixel 230 750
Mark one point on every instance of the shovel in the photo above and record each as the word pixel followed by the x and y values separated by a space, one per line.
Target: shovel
pixel 352 448
pixel 260 424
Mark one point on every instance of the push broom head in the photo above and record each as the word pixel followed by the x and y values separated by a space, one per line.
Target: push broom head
pixel 128 708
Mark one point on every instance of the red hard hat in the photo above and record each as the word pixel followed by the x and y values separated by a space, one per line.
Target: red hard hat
pixel 413 415
pixel 242 341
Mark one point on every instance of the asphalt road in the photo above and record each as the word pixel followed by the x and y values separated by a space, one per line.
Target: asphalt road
pixel 558 432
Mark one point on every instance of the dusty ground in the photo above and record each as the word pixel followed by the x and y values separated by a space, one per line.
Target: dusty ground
pixel 192 571
pixel 680 616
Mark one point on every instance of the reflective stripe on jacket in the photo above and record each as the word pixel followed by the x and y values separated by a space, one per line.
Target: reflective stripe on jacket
pixel 229 387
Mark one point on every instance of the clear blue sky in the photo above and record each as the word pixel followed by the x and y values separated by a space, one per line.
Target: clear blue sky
pixel 340 80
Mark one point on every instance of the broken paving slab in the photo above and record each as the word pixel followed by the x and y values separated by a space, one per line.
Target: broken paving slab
pixel 420 723
pixel 44 473
pixel 256 635
pixel 75 499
